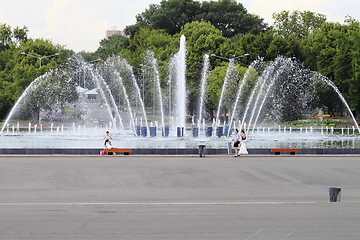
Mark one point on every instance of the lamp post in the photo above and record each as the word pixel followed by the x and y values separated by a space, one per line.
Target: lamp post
pixel 99 59
pixel 40 58
pixel 234 58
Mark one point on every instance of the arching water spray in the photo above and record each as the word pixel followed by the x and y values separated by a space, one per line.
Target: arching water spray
pixel 154 67
pixel 240 91
pixel 204 77
pixel 230 69
pixel 331 84
pixel 119 79
pixel 18 103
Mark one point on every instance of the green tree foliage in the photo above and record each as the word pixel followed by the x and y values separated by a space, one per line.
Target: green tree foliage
pixel 256 45
pixel 161 43
pixel 11 37
pixel 231 18
pixel 301 24
pixel 334 51
pixel 216 81
pixel 18 70
pixel 228 16
pixel 170 15
pixel 201 38
pixel 112 45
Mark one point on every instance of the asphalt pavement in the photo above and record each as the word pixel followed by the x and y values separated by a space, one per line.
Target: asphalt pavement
pixel 179 197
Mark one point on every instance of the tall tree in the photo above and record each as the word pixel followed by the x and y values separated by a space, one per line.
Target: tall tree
pixel 18 71
pixel 11 37
pixel 228 16
pixel 301 24
pixel 170 15
pixel 334 51
pixel 112 45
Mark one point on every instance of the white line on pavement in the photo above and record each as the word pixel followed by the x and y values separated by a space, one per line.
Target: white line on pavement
pixel 145 203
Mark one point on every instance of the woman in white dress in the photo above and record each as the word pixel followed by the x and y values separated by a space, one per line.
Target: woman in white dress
pixel 243 149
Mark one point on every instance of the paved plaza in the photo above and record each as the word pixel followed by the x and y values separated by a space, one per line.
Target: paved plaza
pixel 179 197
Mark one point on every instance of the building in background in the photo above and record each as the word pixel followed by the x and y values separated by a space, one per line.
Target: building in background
pixel 114 31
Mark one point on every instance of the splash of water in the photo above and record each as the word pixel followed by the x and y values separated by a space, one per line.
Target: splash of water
pixel 266 76
pixel 285 64
pixel 240 92
pixel 119 79
pixel 137 93
pixel 204 76
pixel 154 67
pixel 333 86
pixel 23 96
pixel 180 110
pixel 229 72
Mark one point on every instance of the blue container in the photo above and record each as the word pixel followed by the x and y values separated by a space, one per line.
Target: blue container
pixel 180 131
pixel 219 131
pixel 143 131
pixel 165 131
pixel 137 131
pixel 195 131
pixel 208 131
pixel 152 131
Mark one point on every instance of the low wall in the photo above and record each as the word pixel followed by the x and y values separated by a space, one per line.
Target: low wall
pixel 155 151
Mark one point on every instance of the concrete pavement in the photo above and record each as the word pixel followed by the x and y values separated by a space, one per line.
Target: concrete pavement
pixel 173 197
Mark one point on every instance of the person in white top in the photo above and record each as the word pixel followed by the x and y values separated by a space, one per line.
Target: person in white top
pixel 107 137
pixel 236 141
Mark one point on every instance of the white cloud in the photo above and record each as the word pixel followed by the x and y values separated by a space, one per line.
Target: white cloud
pixel 77 24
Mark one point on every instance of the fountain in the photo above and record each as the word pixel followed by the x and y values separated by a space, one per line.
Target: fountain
pixel 74 106
pixel 180 109
pixel 202 96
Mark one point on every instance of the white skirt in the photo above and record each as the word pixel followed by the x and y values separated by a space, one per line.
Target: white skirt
pixel 243 149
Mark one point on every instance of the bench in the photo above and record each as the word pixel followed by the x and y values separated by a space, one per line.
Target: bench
pixel 117 150
pixel 278 151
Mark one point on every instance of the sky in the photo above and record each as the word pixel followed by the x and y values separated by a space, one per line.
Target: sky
pixel 81 24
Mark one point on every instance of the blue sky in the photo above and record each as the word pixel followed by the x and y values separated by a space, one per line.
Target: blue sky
pixel 81 24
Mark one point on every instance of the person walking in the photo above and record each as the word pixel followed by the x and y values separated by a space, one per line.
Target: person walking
pixel 107 138
pixel 236 141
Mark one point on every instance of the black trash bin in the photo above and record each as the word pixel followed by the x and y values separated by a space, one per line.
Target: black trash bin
pixel 202 150
pixel 335 194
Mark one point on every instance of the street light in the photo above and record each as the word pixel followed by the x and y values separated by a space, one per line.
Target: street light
pixel 40 58
pixel 99 59
pixel 246 54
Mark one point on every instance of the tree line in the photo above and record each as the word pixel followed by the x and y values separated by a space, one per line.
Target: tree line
pixel 223 28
